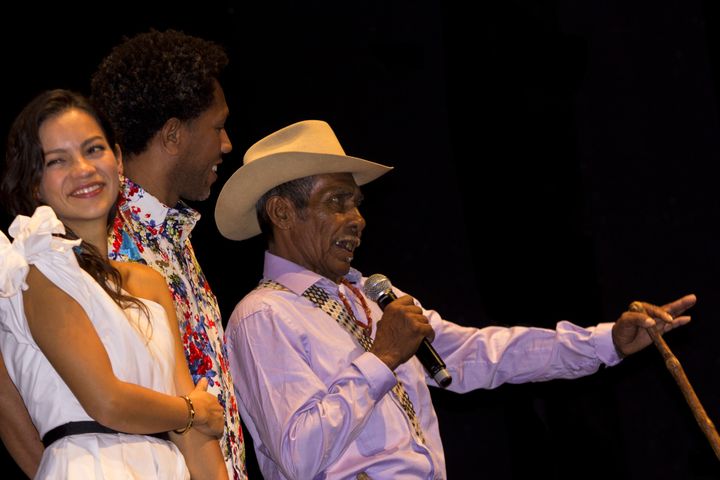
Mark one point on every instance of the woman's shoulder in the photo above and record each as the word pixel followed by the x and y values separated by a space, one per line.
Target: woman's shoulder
pixel 140 280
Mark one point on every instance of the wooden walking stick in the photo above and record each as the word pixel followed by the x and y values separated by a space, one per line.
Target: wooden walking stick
pixel 673 365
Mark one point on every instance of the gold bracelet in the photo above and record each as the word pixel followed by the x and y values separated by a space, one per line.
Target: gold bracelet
pixel 191 415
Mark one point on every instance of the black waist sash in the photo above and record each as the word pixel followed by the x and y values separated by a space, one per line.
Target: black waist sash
pixel 76 428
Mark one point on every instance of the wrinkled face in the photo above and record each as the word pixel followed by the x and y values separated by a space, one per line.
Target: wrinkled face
pixel 208 141
pixel 80 176
pixel 327 232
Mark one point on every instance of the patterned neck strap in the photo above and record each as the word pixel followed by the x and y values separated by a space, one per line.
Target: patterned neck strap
pixel 343 315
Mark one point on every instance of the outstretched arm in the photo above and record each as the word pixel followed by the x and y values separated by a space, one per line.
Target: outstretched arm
pixel 17 431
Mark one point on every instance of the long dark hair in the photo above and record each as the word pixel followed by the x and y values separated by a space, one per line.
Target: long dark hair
pixel 24 166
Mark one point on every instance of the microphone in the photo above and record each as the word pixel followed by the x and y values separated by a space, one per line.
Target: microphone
pixel 379 289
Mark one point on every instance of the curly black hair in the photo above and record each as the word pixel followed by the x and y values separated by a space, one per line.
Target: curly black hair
pixel 152 77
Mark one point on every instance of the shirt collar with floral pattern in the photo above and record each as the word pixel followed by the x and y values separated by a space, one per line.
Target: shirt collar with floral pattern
pixel 174 222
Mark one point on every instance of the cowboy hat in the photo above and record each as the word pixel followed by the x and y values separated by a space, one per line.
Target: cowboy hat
pixel 296 151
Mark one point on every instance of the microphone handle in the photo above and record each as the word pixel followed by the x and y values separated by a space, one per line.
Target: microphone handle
pixel 425 352
pixel 433 363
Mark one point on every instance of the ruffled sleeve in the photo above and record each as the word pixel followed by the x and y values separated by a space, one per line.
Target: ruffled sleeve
pixel 33 242
pixel 13 268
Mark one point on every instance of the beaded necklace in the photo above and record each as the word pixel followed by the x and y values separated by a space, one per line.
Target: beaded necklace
pixel 356 292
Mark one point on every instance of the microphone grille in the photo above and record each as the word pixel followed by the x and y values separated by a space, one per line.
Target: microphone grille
pixel 376 285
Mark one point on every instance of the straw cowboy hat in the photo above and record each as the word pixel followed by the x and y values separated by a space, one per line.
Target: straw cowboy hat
pixel 299 150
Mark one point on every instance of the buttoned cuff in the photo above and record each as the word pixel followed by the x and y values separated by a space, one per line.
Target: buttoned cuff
pixel 604 346
pixel 378 375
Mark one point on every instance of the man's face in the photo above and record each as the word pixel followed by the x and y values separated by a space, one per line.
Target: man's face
pixel 327 232
pixel 207 142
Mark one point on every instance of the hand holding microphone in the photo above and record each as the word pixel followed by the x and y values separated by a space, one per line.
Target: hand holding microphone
pixel 379 289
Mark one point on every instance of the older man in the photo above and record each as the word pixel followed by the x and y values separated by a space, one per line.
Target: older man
pixel 328 383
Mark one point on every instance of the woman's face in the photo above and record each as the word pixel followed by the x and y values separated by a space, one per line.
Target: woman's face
pixel 80 175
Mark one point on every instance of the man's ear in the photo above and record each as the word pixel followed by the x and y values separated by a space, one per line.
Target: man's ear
pixel 171 135
pixel 281 212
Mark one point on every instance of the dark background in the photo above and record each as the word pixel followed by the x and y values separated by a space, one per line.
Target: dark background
pixel 554 160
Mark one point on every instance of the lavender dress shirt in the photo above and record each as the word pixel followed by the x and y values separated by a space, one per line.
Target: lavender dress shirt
pixel 318 406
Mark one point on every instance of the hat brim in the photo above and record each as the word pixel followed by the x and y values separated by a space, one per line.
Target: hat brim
pixel 235 214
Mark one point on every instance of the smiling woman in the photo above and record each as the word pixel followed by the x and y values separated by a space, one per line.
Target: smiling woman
pixel 80 178
pixel 86 353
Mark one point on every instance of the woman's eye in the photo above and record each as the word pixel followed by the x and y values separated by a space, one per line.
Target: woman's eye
pixel 96 149
pixel 52 161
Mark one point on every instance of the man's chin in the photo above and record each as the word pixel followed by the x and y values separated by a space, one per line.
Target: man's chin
pixel 345 269
pixel 340 271
pixel 197 197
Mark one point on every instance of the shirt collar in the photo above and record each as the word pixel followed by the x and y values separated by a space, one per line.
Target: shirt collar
pixel 152 213
pixel 297 278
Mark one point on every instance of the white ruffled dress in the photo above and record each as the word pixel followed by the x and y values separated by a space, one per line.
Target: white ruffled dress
pixel 124 335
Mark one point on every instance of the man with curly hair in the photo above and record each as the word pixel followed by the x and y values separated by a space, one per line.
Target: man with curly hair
pixel 161 92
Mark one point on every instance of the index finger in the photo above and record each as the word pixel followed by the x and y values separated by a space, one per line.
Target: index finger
pixel 680 305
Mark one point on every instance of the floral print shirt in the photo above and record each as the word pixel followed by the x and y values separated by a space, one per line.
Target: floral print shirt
pixel 149 232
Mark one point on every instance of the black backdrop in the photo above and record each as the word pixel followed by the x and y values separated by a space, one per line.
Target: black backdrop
pixel 554 160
